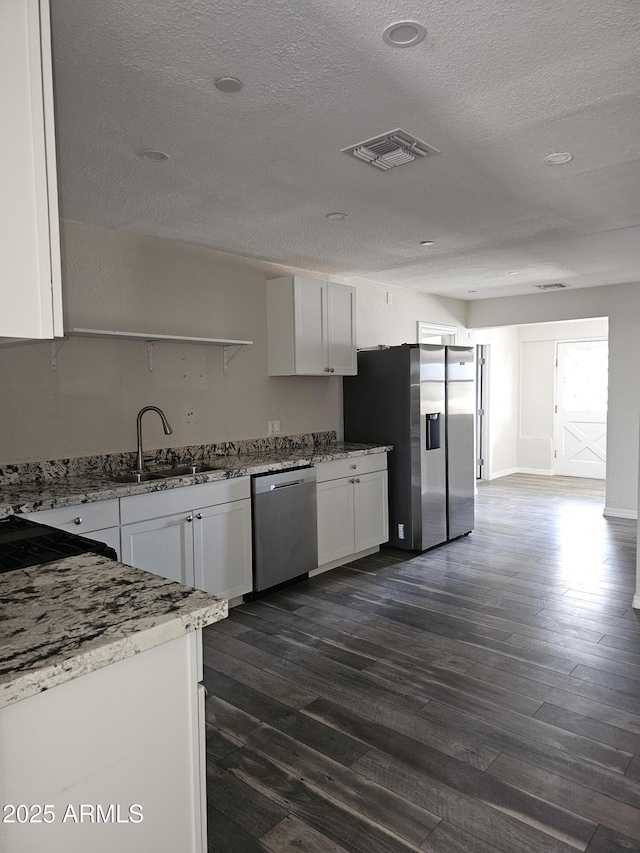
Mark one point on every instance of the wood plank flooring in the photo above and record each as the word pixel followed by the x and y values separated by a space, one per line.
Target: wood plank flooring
pixel 480 698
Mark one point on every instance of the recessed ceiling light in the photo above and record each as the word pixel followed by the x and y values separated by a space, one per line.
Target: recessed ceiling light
pixel 337 215
pixel 559 158
pixel 515 272
pixel 427 242
pixel 154 156
pixel 404 34
pixel 228 84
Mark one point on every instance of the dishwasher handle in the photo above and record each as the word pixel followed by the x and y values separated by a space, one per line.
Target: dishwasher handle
pixel 285 485
pixel 270 482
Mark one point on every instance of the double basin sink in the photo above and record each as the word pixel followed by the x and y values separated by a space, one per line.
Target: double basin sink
pixel 163 473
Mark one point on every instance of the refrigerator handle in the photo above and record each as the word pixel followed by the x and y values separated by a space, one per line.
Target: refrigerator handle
pixel 433 431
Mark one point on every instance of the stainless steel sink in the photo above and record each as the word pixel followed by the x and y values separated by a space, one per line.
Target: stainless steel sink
pixel 162 473
pixel 136 477
pixel 181 470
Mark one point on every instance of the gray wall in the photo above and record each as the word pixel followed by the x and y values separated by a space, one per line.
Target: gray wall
pixel 128 282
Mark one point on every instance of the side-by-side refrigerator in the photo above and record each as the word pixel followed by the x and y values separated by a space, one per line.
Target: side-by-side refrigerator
pixel 420 398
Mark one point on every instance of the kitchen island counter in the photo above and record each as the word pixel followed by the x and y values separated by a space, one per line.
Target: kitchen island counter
pixel 65 619
pixel 102 708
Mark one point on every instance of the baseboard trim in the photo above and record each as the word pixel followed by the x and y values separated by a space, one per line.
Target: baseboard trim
pixel 614 512
pixel 539 472
pixel 506 473
pixel 636 602
pixel 342 561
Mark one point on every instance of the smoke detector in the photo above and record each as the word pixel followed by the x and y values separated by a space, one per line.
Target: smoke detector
pixel 556 285
pixel 394 148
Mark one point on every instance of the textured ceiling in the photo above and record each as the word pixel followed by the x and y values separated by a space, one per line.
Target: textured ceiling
pixel 495 86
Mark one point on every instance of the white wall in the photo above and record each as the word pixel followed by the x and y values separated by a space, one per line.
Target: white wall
pixel 397 323
pixel 502 400
pixel 621 304
pixel 124 281
pixel 537 387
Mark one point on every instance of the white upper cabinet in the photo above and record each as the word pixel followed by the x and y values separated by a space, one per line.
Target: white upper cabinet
pixel 30 281
pixel 311 327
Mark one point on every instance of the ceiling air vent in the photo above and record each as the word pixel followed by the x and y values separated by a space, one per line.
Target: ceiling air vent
pixel 556 285
pixel 391 149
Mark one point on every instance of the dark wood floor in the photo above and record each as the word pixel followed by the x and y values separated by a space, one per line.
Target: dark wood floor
pixel 482 697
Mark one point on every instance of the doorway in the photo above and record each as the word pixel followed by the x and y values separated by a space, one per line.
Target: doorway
pixel 482 402
pixel 580 416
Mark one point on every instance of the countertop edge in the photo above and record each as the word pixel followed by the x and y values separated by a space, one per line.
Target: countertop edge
pixel 170 627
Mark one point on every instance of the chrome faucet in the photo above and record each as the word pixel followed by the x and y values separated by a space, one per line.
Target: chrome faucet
pixel 165 425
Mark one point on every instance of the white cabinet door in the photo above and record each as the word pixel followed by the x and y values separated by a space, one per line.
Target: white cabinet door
pixel 335 520
pixel 31 294
pixel 371 510
pixel 110 536
pixel 222 549
pixel 341 320
pixel 127 733
pixel 311 328
pixel 163 546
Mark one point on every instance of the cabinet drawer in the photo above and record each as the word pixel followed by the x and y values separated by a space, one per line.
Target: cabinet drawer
pixel 80 518
pixel 183 499
pixel 350 467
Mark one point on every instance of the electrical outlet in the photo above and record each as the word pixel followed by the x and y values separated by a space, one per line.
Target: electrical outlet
pixel 401 531
pixel 389 298
pixel 274 427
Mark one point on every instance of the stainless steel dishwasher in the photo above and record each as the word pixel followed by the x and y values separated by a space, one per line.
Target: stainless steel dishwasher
pixel 285 537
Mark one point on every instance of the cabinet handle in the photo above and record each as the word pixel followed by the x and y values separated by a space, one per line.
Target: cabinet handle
pixel 189 518
pixel 199 515
pixel 357 480
pixel 353 466
pixel 77 520
pixel 333 370
pixel 327 370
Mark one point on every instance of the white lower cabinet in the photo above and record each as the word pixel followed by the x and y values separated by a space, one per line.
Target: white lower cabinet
pixel 99 521
pixel 128 737
pixel 205 543
pixel 163 546
pixel 335 520
pixel 222 549
pixel 353 514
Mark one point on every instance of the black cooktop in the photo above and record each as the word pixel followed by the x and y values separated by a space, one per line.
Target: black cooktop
pixel 25 543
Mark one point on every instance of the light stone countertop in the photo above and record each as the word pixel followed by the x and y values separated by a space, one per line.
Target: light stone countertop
pixel 65 619
pixel 53 492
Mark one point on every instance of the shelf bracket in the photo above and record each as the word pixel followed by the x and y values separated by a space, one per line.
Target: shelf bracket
pixel 56 346
pixel 229 352
pixel 150 354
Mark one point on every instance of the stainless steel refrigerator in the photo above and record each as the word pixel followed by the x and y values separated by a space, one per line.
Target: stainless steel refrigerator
pixel 421 399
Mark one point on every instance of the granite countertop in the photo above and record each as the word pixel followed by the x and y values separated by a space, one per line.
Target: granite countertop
pixel 54 492
pixel 65 619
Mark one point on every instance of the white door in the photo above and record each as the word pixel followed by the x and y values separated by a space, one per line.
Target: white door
pixel 580 426
pixel 341 317
pixel 371 510
pixel 335 520
pixel 222 549
pixel 31 295
pixel 162 546
pixel 310 305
